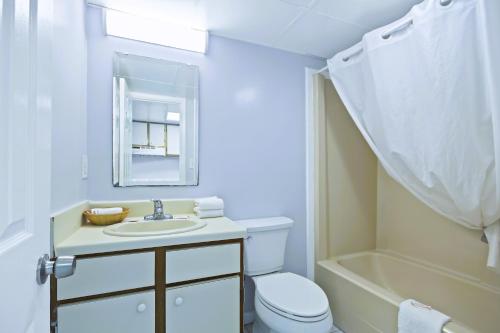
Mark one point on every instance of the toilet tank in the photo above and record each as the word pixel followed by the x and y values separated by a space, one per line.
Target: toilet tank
pixel 265 244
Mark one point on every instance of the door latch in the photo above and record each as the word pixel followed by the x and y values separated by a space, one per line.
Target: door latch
pixel 61 267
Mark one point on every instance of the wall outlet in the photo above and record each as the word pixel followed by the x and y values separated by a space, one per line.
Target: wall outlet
pixel 85 166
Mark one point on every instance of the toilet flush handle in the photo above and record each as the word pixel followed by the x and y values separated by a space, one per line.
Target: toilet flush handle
pixel 179 301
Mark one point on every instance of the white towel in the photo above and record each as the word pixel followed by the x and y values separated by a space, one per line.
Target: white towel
pixel 492 233
pixel 209 203
pixel 205 213
pixel 415 317
pixel 106 211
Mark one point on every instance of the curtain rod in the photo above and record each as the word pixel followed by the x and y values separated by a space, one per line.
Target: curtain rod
pixel 322 69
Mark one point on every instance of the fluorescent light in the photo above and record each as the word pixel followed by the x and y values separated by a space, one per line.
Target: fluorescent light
pixel 173 116
pixel 157 32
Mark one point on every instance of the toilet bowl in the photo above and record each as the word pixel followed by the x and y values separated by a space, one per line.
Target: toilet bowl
pixel 284 302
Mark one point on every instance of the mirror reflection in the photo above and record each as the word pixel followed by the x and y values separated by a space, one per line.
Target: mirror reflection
pixel 155 108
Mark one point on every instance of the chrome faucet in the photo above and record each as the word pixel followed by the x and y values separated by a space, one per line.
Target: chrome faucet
pixel 158 213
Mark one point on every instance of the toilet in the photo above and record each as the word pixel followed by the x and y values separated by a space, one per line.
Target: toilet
pixel 284 302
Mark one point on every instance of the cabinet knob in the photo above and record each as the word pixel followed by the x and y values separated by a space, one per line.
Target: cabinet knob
pixel 141 307
pixel 179 301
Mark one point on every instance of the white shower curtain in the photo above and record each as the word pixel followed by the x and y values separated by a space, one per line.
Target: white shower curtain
pixel 424 93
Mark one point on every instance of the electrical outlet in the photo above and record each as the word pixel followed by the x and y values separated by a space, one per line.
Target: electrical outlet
pixel 85 166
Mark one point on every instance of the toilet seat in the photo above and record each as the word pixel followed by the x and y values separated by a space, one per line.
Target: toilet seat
pixel 293 317
pixel 292 296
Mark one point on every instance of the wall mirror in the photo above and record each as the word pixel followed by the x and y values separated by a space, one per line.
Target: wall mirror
pixel 155 122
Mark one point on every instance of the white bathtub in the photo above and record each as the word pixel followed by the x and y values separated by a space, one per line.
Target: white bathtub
pixel 365 289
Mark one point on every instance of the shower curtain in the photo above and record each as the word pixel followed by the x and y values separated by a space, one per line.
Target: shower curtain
pixel 424 92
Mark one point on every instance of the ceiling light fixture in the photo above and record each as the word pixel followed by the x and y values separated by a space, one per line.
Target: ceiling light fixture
pixel 173 116
pixel 129 26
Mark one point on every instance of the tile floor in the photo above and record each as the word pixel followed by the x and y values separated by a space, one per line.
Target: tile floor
pixel 336 330
pixel 248 329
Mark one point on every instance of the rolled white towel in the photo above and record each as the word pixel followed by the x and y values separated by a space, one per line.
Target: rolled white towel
pixel 492 233
pixel 106 211
pixel 415 317
pixel 209 203
pixel 206 213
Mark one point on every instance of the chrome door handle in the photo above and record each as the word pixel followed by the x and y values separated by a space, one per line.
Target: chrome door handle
pixel 61 267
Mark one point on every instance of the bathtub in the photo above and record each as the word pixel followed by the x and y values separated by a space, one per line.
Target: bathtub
pixel 364 290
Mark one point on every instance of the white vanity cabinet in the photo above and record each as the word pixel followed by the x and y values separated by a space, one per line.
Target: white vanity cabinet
pixel 208 307
pixel 105 274
pixel 130 313
pixel 202 262
pixel 211 303
pixel 188 288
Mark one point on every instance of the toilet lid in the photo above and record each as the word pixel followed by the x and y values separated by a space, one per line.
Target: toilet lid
pixel 292 294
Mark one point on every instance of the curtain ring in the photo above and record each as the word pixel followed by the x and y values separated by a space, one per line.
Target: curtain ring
pixel 484 239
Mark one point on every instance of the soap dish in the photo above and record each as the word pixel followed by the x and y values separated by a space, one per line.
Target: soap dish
pixel 105 219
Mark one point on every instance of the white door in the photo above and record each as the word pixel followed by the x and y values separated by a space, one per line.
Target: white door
pixel 25 119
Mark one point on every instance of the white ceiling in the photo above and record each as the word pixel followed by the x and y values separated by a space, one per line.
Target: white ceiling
pixel 315 27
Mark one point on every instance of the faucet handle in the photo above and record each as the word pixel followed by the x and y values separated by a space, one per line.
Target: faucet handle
pixel 157 203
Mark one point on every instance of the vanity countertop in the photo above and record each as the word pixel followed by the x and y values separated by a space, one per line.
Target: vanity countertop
pixel 89 238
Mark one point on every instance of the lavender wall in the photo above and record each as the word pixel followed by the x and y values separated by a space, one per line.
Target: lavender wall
pixel 252 132
pixel 69 119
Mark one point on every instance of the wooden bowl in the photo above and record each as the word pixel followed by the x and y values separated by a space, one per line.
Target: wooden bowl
pixel 105 219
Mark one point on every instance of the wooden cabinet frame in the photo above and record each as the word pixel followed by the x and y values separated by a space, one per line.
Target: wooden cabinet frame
pixel 160 281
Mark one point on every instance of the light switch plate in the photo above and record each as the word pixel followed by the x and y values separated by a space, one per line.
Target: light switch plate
pixel 85 166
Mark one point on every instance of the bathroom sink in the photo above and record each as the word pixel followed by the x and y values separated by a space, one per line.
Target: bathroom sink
pixel 153 228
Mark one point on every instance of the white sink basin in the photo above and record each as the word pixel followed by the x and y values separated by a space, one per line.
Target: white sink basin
pixel 153 228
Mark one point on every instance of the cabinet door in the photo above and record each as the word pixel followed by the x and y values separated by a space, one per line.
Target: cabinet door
pixel 120 314
pixel 209 307
pixel 202 262
pixel 95 276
